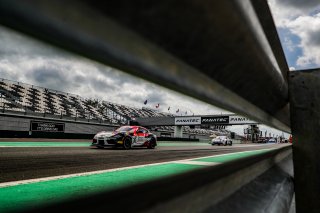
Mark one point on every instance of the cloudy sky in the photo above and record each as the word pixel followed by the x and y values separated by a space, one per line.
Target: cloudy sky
pixel 29 61
pixel 26 60
pixel 298 25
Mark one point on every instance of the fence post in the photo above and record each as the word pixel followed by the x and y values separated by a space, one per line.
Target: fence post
pixel 304 90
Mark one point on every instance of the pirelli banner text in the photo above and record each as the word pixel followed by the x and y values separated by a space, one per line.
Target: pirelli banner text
pixel 213 120
pixel 41 126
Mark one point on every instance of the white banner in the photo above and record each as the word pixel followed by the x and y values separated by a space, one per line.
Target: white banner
pixel 187 120
pixel 234 119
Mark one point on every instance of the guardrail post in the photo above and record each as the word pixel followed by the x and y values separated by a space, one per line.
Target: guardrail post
pixel 305 124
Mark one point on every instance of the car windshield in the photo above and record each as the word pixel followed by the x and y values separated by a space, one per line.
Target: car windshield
pixel 124 129
pixel 221 137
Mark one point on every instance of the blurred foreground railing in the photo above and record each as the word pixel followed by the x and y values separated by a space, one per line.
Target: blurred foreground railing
pixel 226 53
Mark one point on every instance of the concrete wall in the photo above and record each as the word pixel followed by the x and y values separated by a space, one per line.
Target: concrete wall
pixel 14 124
pixel 20 123
pixel 85 128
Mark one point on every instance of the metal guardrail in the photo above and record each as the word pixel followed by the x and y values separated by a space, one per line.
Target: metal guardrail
pixel 207 50
pixel 226 53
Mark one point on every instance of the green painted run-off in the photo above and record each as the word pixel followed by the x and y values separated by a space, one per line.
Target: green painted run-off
pixel 45 144
pixel 35 194
pixel 232 156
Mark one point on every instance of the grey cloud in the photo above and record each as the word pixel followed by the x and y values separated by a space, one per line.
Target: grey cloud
pixel 8 75
pixel 79 79
pixel 119 77
pixel 139 96
pixel 300 4
pixel 133 96
pixel 13 44
pixel 124 82
pixel 32 62
pixel 156 97
pixel 100 85
pixel 50 78
pixel 314 38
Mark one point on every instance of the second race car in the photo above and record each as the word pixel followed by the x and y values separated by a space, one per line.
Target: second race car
pixel 126 137
pixel 221 140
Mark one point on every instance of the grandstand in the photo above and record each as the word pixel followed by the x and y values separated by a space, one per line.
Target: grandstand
pixel 26 99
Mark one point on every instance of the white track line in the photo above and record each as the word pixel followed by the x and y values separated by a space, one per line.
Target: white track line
pixel 14 183
pixel 200 163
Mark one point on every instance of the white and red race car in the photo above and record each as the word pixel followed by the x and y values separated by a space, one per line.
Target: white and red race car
pixel 221 140
pixel 126 137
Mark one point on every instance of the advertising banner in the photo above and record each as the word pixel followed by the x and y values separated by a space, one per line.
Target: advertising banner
pixel 42 126
pixel 234 119
pixel 215 120
pixel 187 121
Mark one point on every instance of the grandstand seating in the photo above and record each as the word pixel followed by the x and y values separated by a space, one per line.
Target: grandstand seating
pixel 28 99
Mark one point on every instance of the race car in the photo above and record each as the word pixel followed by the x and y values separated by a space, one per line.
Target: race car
pixel 126 137
pixel 221 140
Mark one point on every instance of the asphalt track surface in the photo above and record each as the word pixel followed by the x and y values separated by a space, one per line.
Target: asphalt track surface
pixel 21 163
pixel 35 174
